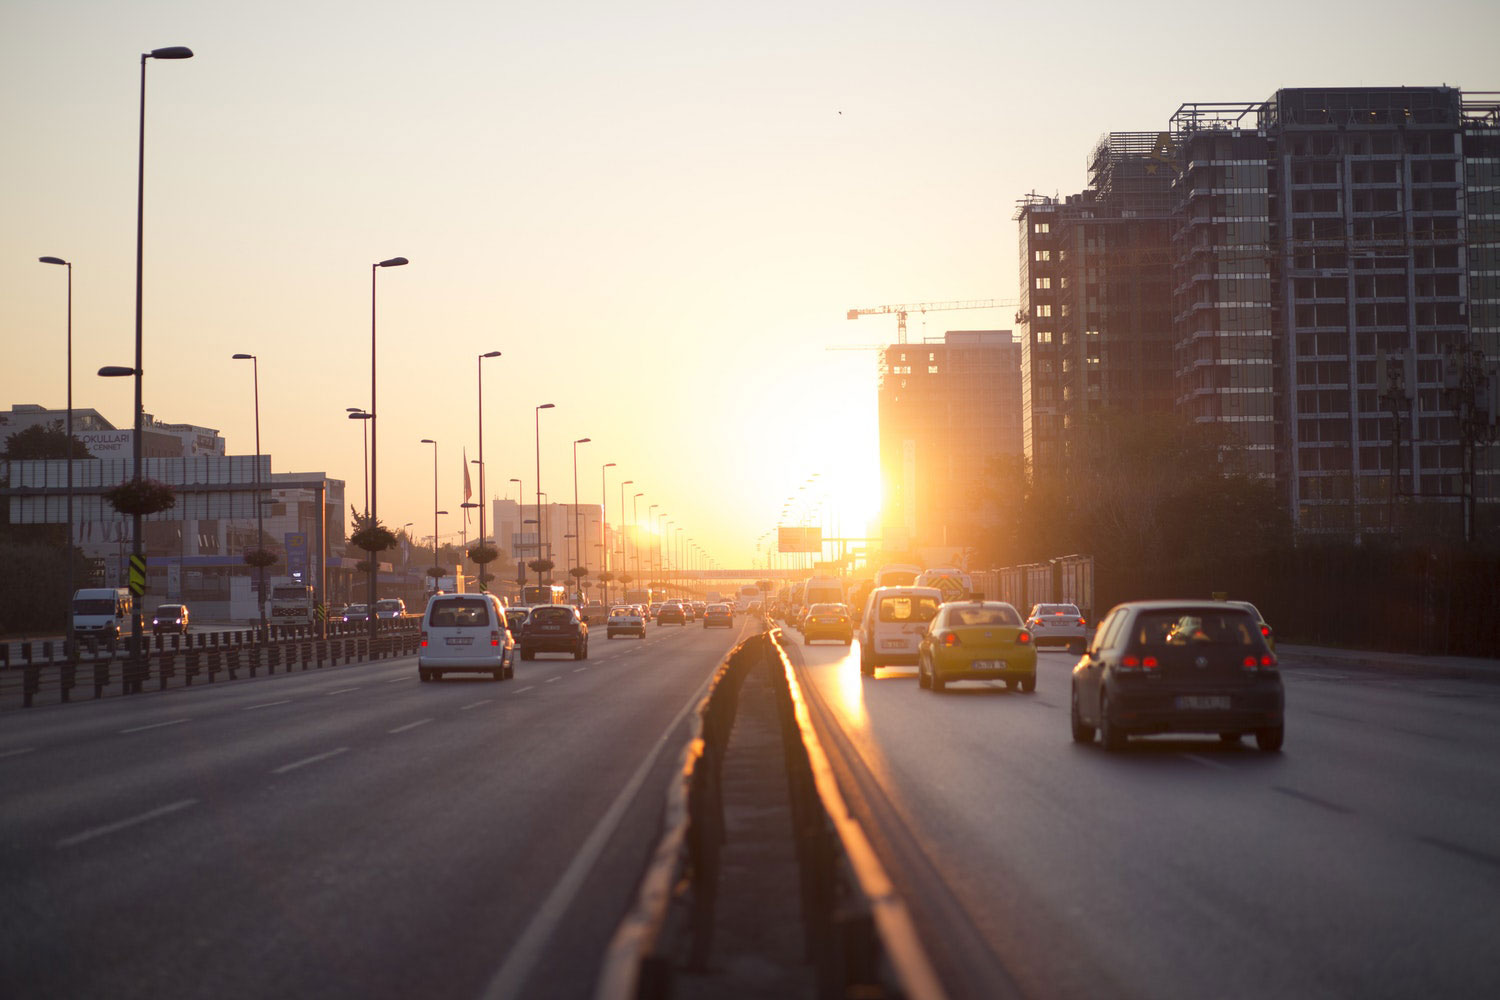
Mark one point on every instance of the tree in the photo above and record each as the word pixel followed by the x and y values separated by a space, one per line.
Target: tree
pixel 42 441
pixel 369 534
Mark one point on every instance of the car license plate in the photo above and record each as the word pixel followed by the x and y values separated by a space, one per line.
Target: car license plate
pixel 460 640
pixel 987 664
pixel 1203 701
pixel 893 644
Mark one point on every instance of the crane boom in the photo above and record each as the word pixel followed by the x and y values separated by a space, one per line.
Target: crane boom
pixel 901 311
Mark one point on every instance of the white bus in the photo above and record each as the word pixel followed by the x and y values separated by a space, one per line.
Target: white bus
pixel 745 595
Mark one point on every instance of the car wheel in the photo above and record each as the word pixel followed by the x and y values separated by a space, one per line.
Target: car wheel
pixel 510 671
pixel 866 666
pixel 578 653
pixel 1231 737
pixel 527 654
pixel 1028 684
pixel 1081 733
pixel 423 674
pixel 437 675
pixel 498 674
pixel 1113 738
pixel 937 682
pixel 1270 740
pixel 922 681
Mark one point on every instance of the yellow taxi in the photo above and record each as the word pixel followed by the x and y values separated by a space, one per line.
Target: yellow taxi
pixel 974 641
pixel 828 621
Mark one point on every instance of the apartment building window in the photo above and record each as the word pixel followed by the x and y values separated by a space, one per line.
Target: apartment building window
pixel 1041 227
pixel 1044 336
pixel 1044 310
pixel 1042 283
pixel 1043 255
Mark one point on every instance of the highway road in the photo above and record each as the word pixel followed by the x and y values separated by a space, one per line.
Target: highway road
pixel 1363 861
pixel 350 832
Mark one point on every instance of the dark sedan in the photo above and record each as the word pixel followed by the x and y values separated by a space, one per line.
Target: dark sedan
pixel 671 614
pixel 554 628
pixel 716 615
pixel 1178 667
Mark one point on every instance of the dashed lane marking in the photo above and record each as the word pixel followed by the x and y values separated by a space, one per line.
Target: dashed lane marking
pixel 476 704
pixel 266 704
pixel 409 725
pixel 16 753
pixel 525 689
pixel 145 817
pixel 315 758
pixel 154 725
pixel 342 690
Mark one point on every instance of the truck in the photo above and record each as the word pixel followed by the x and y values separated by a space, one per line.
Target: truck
pixel 955 584
pixel 290 604
pixel 102 613
pixel 644 597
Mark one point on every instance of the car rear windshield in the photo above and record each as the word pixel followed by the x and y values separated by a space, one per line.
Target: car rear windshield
pixel 459 612
pixel 551 616
pixel 826 609
pixel 1057 609
pixel 388 605
pixel 908 609
pixel 989 614
pixel 622 613
pixel 1195 627
pixel 169 609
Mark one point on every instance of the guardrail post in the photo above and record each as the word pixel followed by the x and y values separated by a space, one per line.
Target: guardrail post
pixel 193 666
pixel 214 656
pixel 165 668
pixel 101 673
pixel 69 675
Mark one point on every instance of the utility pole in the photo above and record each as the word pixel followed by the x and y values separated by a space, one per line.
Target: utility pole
pixel 1471 388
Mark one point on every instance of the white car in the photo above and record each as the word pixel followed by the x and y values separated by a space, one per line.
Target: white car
pixel 465 633
pixel 625 620
pixel 894 622
pixel 1058 625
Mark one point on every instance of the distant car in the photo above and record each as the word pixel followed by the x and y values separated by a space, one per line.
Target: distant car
pixel 555 628
pixel 756 607
pixel 1178 667
pixel 716 615
pixel 1058 625
pixel 671 614
pixel 516 616
pixel 699 607
pixel 357 613
pixel 688 614
pixel 390 607
pixel 827 621
pixel 1266 631
pixel 171 618
pixel 625 620
pixel 977 640
pixel 465 632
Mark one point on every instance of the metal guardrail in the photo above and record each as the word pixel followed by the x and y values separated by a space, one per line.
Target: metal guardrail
pixel 54 668
pixel 859 938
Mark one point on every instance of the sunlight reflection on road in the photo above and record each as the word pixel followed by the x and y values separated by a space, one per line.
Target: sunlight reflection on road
pixel 849 690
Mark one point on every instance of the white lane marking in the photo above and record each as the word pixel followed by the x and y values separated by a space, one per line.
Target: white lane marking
pixel 1206 762
pixel 521 961
pixel 579 670
pixel 16 753
pixel 409 725
pixel 154 725
pixel 525 689
pixel 342 690
pixel 268 704
pixel 283 769
pixel 398 680
pixel 476 704
pixel 552 680
pixel 100 831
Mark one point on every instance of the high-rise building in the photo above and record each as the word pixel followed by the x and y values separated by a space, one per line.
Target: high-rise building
pixel 1337 295
pixel 948 410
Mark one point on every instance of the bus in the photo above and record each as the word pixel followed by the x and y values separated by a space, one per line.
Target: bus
pixel 551 593
pixel 746 594
pixel 290 604
pixel 823 590
pixel 897 575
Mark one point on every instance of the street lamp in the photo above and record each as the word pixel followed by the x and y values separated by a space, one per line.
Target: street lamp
pixel 537 417
pixel 635 532
pixel 577 549
pixel 356 413
pixel 604 524
pixel 435 511
pixel 521 515
pixel 260 525
pixel 483 497
pixel 651 555
pixel 137 452
pixel 374 447
pixel 68 431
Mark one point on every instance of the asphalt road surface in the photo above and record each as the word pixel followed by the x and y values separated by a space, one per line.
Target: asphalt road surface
pixel 1362 861
pixel 351 832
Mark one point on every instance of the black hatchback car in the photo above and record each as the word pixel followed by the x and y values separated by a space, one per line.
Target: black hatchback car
pixel 554 628
pixel 1178 667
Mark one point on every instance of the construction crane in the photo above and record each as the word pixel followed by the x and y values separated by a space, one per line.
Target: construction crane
pixel 926 307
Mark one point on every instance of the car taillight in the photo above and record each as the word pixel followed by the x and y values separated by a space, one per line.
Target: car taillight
pixel 424 638
pixel 494 638
pixel 1082 623
pixel 1150 662
pixel 948 639
pixel 1023 637
pixel 1265 630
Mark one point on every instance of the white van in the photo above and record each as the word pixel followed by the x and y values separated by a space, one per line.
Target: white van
pixel 465 633
pixel 894 620
pixel 102 613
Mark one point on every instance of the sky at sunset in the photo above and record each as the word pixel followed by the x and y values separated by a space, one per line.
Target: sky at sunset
pixel 658 212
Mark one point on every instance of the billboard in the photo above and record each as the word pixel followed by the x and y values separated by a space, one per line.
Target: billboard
pixel 799 539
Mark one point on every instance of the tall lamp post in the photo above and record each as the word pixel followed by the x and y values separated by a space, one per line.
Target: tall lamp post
pixel 137 452
pixel 260 524
pixel 68 431
pixel 521 516
pixel 537 416
pixel 635 533
pixel 651 553
pixel 435 510
pixel 577 547
pixel 604 524
pixel 484 499
pixel 374 440
pixel 356 413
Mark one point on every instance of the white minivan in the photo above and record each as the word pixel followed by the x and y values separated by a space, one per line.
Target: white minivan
pixel 465 633
pixel 895 620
